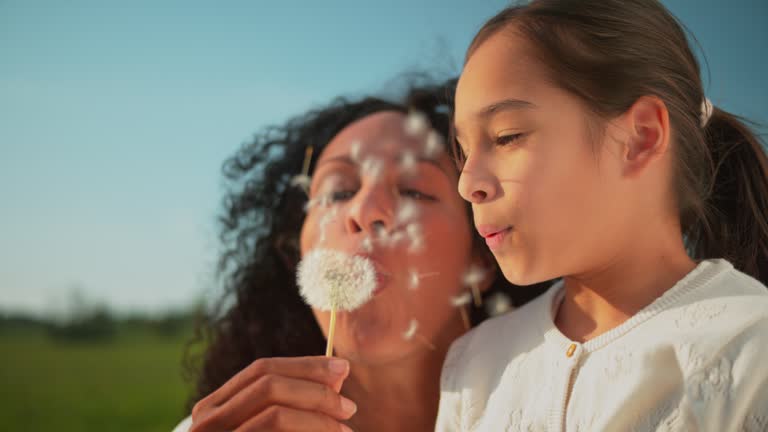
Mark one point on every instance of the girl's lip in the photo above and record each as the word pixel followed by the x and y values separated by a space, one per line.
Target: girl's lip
pixel 495 239
pixel 491 230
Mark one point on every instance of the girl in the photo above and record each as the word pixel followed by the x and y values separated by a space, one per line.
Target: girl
pixel 591 153
pixel 262 369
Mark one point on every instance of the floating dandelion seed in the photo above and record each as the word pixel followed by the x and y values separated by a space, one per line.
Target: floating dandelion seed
pixel 409 163
pixel 460 301
pixel 355 150
pixel 406 211
pixel 301 181
pixel 414 278
pixel 372 168
pixel 334 281
pixel 416 123
pixel 434 145
pixel 325 220
pixel 394 238
pixel 366 245
pixel 498 304
pixel 410 332
pixel 413 231
pixel 474 276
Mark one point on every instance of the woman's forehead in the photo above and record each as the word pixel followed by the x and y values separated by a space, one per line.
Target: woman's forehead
pixel 382 133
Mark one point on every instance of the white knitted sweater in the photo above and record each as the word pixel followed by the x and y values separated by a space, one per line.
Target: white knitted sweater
pixel 696 359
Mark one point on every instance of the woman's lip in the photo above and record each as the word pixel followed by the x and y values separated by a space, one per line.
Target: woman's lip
pixel 382 275
pixel 495 240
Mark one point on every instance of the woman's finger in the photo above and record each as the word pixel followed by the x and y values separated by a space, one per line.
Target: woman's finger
pixel 285 419
pixel 324 370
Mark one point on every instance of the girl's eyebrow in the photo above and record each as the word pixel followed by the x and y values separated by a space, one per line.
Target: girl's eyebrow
pixel 498 106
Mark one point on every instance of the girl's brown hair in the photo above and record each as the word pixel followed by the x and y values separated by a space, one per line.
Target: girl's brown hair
pixel 608 53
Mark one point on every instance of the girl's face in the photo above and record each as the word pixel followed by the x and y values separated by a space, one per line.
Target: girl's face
pixel 547 192
pixel 386 200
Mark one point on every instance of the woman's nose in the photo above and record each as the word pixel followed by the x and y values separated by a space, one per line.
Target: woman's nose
pixel 371 210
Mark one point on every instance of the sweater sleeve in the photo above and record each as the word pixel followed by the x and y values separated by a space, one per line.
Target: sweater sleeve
pixel 184 425
pixel 449 410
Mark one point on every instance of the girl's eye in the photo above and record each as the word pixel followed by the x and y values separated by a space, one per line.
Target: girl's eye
pixel 416 195
pixel 507 139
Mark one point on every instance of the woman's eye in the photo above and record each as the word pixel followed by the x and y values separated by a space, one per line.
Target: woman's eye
pixel 417 195
pixel 507 139
pixel 342 195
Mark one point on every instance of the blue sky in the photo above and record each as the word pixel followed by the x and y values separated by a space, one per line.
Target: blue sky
pixel 115 118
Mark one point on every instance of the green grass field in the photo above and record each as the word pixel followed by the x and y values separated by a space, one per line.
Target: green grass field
pixel 131 383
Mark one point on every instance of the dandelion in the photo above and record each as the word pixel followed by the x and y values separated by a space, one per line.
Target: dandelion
pixel 326 220
pixel 414 278
pixel 406 211
pixel 416 123
pixel 414 234
pixel 434 145
pixel 410 332
pixel 472 278
pixel 372 168
pixel 355 150
pixel 366 245
pixel 460 302
pixel 301 181
pixel 498 304
pixel 334 281
pixel 409 163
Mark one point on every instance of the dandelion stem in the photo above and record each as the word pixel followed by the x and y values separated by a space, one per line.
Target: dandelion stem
pixel 331 332
pixel 476 295
pixel 465 318
pixel 307 159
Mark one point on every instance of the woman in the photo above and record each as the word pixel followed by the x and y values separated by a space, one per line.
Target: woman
pixel 381 186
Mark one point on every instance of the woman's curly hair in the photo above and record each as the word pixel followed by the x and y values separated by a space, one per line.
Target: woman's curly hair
pixel 261 313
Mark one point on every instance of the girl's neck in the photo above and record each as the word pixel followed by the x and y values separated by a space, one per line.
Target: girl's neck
pixel 398 396
pixel 602 299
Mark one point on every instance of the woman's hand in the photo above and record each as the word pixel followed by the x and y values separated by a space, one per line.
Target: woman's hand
pixel 279 394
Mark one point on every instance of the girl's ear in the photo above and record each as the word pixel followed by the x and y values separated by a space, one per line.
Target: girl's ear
pixel 647 122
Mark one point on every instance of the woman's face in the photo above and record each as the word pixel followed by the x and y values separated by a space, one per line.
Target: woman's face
pixel 385 199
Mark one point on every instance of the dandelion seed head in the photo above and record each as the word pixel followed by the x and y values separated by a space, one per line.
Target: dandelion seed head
pixel 330 279
pixel 410 332
pixel 462 299
pixel 433 146
pixel 498 304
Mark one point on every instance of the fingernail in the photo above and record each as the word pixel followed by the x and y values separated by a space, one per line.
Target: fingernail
pixel 345 428
pixel 338 366
pixel 347 406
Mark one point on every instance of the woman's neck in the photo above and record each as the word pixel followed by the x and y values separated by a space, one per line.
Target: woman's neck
pixel 602 299
pixel 401 395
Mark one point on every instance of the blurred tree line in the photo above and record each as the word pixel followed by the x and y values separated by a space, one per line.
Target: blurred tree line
pixel 91 322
